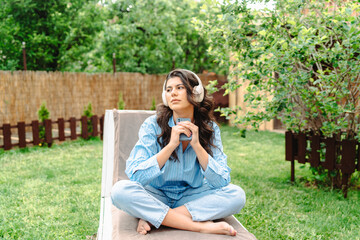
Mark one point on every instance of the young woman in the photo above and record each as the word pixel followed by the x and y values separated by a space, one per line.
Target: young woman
pixel 180 184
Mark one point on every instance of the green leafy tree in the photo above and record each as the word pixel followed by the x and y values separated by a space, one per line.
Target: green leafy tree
pixel 298 62
pixel 150 36
pixel 10 49
pixel 49 29
pixel 87 22
pixel 302 68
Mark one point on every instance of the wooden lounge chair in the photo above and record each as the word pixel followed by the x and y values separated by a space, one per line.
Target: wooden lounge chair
pixel 120 135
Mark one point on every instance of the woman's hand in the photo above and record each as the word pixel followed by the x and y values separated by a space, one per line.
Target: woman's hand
pixel 200 152
pixel 175 133
pixel 174 142
pixel 193 130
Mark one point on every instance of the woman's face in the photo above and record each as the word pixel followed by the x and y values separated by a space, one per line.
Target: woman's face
pixel 176 95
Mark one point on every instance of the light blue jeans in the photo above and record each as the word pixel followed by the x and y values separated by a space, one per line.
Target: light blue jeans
pixel 203 203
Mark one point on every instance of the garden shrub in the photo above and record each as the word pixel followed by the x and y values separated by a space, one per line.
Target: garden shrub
pixel 88 113
pixel 121 103
pixel 153 104
pixel 43 114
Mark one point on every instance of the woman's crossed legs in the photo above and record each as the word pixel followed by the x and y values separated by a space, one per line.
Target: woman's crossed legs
pixel 193 212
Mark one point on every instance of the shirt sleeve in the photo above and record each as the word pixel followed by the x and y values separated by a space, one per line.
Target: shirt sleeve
pixel 217 172
pixel 142 165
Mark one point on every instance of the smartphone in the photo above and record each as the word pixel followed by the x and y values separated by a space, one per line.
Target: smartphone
pixel 183 137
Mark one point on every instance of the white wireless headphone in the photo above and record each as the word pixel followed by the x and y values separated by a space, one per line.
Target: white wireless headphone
pixel 198 90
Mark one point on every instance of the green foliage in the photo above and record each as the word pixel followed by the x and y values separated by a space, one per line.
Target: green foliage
pixel 148 36
pixel 87 23
pixel 6 64
pixel 211 87
pixel 50 29
pixel 302 68
pixel 153 104
pixel 43 114
pixel 121 103
pixel 88 113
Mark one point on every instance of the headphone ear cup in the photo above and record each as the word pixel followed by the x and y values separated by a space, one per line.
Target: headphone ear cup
pixel 164 99
pixel 198 91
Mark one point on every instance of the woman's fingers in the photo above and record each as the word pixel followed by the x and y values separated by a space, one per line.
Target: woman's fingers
pixel 188 125
pixel 175 134
pixel 194 131
pixel 182 129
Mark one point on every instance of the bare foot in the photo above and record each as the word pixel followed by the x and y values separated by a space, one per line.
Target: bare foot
pixel 143 227
pixel 218 228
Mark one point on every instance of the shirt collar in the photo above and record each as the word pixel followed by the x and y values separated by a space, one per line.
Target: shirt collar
pixel 171 121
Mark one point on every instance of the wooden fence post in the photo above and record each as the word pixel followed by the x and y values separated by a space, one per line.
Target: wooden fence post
pixel 301 147
pixel 315 154
pixel 330 154
pixel 348 156
pixel 94 121
pixel 345 183
pixel 102 127
pixel 73 128
pixel 114 63
pixel 35 132
pixel 21 134
pixel 48 138
pixel 7 136
pixel 84 130
pixel 24 55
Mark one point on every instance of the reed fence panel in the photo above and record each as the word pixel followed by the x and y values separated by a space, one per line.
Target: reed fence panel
pixel 66 94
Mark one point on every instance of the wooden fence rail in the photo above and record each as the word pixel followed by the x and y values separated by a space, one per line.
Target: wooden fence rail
pixel 48 127
pixel 343 155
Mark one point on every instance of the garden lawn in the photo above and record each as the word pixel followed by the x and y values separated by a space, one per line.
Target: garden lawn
pixel 277 209
pixel 54 193
pixel 51 193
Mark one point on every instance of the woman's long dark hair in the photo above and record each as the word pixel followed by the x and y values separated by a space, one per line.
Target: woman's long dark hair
pixel 203 113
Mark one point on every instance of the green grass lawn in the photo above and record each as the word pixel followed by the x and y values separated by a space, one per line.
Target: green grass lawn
pixel 51 193
pixel 277 209
pixel 54 193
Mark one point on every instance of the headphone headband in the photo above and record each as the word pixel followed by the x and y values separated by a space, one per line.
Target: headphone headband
pixel 198 90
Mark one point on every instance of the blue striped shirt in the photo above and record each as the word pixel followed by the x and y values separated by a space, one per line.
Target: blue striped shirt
pixel 175 176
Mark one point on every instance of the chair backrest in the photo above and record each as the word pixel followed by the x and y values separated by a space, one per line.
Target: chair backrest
pixel 127 124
